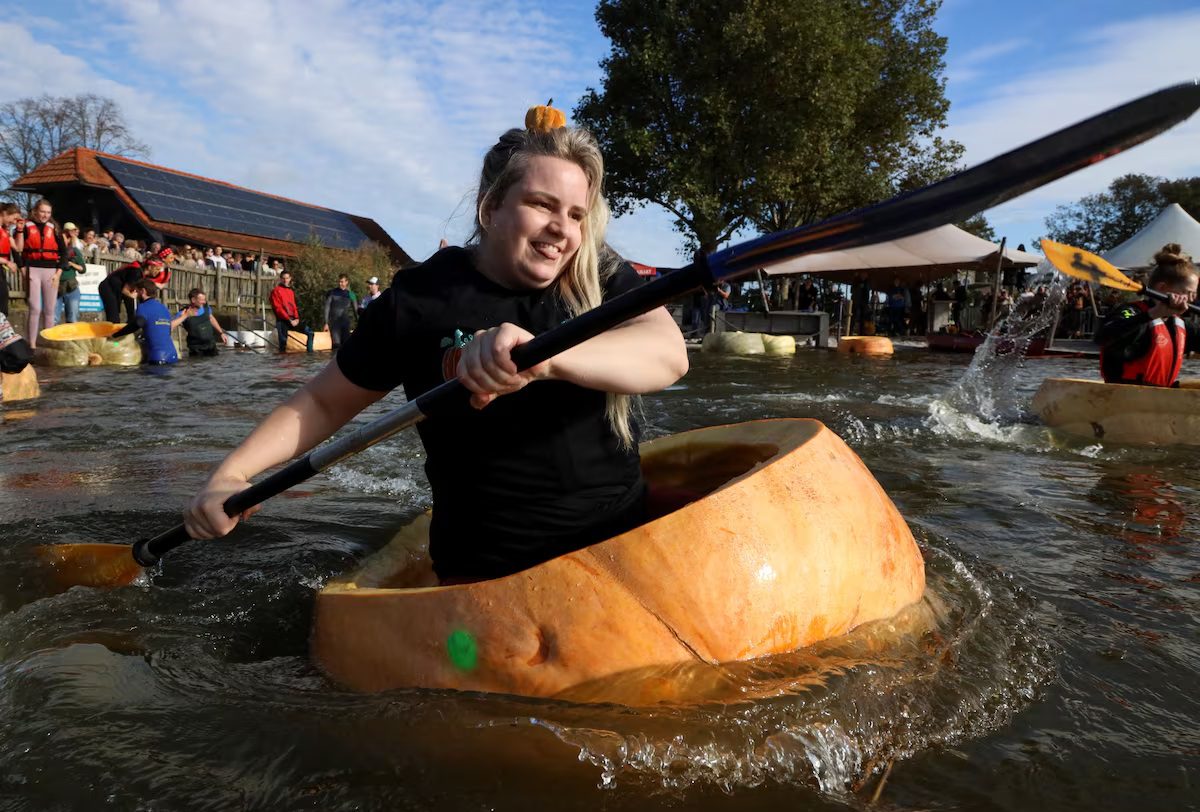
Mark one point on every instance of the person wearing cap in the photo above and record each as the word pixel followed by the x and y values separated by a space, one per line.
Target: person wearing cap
pixel 67 309
pixel 157 270
pixel 373 293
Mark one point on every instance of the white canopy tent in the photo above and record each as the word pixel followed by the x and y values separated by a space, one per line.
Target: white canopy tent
pixel 922 257
pixel 1172 224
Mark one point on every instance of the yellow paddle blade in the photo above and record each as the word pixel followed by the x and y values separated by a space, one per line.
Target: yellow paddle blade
pixel 90 564
pixel 1087 266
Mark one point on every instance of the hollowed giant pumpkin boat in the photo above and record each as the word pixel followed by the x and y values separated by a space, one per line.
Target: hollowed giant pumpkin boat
pixel 779 537
pixel 1121 413
pixel 84 344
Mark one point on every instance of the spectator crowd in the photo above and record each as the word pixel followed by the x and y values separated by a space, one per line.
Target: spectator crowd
pixel 48 258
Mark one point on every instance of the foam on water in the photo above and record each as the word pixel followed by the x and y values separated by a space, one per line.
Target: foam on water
pixel 958 664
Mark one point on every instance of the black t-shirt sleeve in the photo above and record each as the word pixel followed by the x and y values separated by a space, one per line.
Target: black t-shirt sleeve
pixel 367 359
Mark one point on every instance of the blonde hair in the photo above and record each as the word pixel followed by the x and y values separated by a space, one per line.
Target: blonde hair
pixel 1172 266
pixel 580 285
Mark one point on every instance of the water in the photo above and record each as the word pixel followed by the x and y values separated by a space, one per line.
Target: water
pixel 1054 665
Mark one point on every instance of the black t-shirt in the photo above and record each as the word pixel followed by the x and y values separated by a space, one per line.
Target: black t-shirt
pixel 121 277
pixel 535 474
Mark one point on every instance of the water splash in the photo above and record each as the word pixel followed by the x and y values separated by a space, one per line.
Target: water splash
pixel 988 388
pixel 985 400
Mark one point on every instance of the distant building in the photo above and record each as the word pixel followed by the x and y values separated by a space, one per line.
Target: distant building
pixel 153 203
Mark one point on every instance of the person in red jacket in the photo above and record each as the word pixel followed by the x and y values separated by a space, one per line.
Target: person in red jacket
pixel 287 313
pixel 40 246
pixel 1143 343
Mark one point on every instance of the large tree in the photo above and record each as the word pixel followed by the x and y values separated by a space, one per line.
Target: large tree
pixel 34 130
pixel 1102 221
pixel 767 113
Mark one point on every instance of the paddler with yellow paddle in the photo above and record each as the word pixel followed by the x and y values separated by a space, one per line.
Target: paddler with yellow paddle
pixel 1142 343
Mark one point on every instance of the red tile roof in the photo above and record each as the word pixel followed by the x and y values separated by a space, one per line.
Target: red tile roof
pixel 80 166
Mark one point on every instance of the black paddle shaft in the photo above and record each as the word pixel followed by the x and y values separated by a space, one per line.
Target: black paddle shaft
pixel 951 199
pixel 1164 297
pixel 575 331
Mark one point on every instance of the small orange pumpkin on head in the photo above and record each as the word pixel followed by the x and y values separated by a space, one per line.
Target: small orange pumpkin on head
pixel 544 118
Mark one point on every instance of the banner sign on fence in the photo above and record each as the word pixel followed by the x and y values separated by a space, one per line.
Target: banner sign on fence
pixel 89 288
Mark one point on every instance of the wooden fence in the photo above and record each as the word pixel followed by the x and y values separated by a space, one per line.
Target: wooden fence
pixel 238 295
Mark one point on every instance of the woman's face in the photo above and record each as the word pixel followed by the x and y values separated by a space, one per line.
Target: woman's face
pixel 532 235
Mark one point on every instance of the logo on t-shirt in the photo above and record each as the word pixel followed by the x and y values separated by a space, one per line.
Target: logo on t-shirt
pixel 453 352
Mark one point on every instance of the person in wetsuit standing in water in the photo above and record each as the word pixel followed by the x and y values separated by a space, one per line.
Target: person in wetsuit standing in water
pixel 340 304
pixel 154 321
pixel 200 324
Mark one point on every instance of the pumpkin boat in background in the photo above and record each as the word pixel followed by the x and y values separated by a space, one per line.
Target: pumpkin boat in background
pixel 23 385
pixel 86 344
pixel 298 342
pixel 739 343
pixel 1122 413
pixel 866 345
pixel 778 538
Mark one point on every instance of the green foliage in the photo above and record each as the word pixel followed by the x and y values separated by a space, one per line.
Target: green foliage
pixel 316 269
pixel 771 113
pixel 1102 221
pixel 979 226
pixel 1184 191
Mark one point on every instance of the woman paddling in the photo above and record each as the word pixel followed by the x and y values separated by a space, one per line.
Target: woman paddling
pixel 550 467
pixel 1143 343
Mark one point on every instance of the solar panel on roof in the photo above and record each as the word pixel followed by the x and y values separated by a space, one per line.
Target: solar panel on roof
pixel 187 201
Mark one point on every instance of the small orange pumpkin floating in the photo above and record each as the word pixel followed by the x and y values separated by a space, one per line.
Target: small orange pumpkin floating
pixel 545 118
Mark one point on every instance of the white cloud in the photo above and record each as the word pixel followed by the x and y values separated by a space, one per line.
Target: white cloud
pixel 970 66
pixel 385 108
pixel 378 108
pixel 1103 68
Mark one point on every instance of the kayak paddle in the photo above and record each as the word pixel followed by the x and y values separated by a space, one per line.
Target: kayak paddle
pixel 950 200
pixel 1087 266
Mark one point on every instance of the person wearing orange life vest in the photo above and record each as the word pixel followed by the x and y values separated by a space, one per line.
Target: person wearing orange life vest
pixel 1143 343
pixel 40 246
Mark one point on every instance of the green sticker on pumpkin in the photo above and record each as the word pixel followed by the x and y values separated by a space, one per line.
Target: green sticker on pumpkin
pixel 463 651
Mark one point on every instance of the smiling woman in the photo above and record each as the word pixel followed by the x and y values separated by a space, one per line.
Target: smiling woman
pixel 547 468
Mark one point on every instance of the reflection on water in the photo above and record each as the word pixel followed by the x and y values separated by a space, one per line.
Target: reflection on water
pixel 1058 635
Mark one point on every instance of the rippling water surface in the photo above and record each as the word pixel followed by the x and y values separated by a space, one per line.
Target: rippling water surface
pixel 1054 663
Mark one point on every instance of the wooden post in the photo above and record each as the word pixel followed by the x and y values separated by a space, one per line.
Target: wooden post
pixel 996 287
pixel 762 291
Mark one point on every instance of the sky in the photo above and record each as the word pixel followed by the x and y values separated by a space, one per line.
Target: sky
pixel 384 109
